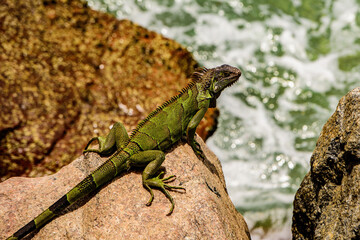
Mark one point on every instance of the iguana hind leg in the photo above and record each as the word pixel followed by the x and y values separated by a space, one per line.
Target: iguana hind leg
pixel 153 160
pixel 117 138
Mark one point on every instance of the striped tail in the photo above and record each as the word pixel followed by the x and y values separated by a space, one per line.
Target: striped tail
pixel 101 175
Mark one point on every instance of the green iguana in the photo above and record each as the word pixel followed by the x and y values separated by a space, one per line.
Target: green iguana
pixel 173 120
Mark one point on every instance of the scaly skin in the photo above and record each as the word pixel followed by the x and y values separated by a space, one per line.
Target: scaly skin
pixel 145 147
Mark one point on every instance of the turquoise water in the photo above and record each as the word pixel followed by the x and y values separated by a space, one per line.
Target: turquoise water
pixel 298 58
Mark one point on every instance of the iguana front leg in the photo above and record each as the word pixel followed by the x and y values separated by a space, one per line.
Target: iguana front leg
pixel 153 160
pixel 190 132
pixel 117 138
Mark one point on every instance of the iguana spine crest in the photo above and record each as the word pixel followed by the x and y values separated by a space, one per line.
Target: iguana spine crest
pixel 161 107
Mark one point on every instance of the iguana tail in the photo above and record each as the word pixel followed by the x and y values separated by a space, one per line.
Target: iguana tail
pixel 101 175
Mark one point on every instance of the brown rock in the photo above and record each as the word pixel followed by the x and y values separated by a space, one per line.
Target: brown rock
pixel 327 205
pixel 118 210
pixel 68 73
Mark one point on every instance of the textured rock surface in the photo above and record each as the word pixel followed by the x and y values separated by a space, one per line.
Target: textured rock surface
pixel 118 210
pixel 68 73
pixel 327 205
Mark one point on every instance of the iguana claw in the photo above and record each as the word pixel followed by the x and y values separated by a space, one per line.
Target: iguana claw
pixel 160 183
pixel 197 149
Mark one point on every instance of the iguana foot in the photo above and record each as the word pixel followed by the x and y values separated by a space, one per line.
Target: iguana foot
pixel 161 183
pixel 197 150
pixel 116 139
pixel 100 140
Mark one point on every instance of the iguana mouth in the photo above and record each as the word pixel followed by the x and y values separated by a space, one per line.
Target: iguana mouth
pixel 227 81
pixel 233 79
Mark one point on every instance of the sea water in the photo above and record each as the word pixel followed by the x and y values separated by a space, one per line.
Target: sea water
pixel 298 58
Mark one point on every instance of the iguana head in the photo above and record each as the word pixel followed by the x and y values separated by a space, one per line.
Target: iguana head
pixel 214 80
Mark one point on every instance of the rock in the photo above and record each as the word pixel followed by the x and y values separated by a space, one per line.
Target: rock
pixel 327 205
pixel 68 73
pixel 118 210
